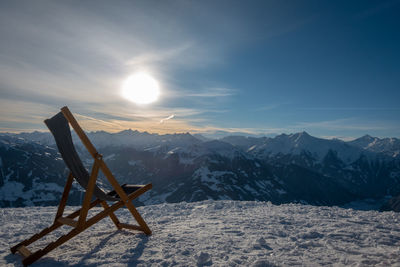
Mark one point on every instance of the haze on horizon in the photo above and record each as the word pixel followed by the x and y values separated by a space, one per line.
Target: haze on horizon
pixel 330 68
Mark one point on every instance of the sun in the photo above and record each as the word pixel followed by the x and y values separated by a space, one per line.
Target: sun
pixel 141 88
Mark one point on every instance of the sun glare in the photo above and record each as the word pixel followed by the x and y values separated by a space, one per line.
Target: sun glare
pixel 141 88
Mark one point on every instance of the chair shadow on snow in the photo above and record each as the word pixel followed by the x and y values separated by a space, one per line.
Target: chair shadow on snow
pixel 130 255
pixel 137 251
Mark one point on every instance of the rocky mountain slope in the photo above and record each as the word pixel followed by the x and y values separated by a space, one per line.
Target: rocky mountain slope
pixel 287 168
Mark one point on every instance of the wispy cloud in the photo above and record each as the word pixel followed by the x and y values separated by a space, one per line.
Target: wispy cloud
pixel 167 118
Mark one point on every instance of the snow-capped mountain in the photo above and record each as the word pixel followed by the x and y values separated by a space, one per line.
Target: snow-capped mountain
pixel 287 168
pixel 387 146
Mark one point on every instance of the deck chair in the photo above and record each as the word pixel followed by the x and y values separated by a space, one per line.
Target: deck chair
pixel 120 196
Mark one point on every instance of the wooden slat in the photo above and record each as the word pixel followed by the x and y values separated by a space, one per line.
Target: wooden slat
pixel 88 194
pixel 64 197
pixel 78 130
pixel 24 251
pixel 131 227
pixel 111 215
pixel 67 221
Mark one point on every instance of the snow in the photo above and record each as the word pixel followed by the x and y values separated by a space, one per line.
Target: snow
pixel 207 178
pixel 218 233
pixel 212 178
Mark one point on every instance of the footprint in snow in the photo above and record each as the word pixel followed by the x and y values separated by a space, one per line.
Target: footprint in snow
pixel 204 259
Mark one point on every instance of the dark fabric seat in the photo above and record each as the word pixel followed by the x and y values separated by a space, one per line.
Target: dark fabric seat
pixel 59 127
pixel 128 188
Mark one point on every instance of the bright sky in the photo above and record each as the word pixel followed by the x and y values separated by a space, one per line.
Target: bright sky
pixel 331 68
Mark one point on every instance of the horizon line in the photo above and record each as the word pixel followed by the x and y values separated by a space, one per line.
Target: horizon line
pixel 210 134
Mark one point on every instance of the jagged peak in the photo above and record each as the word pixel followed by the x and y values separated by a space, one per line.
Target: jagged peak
pixel 300 136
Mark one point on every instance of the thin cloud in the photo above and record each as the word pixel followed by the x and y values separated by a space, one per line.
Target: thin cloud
pixel 346 124
pixel 268 107
pixel 151 57
pixel 349 108
pixel 213 92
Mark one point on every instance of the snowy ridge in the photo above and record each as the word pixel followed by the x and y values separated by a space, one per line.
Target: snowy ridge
pixel 295 144
pixel 218 233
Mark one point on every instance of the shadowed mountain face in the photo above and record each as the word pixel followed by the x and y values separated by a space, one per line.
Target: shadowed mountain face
pixel 287 168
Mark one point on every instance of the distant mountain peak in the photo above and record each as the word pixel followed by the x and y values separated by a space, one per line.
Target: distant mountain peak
pixel 367 137
pixel 301 137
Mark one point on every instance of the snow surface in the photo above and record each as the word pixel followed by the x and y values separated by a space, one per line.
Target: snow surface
pixel 218 233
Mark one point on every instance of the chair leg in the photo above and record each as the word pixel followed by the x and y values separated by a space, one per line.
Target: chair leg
pixel 138 218
pixel 113 218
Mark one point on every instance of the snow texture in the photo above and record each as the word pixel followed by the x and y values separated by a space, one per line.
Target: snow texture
pixel 218 233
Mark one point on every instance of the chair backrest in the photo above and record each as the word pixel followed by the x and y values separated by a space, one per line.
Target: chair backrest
pixel 59 127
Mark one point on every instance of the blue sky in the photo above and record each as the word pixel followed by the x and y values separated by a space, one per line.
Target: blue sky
pixel 331 68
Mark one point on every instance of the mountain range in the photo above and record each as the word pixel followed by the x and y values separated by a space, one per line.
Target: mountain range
pixel 287 168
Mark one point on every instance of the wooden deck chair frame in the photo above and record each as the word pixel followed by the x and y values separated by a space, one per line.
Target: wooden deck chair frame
pixel 82 223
